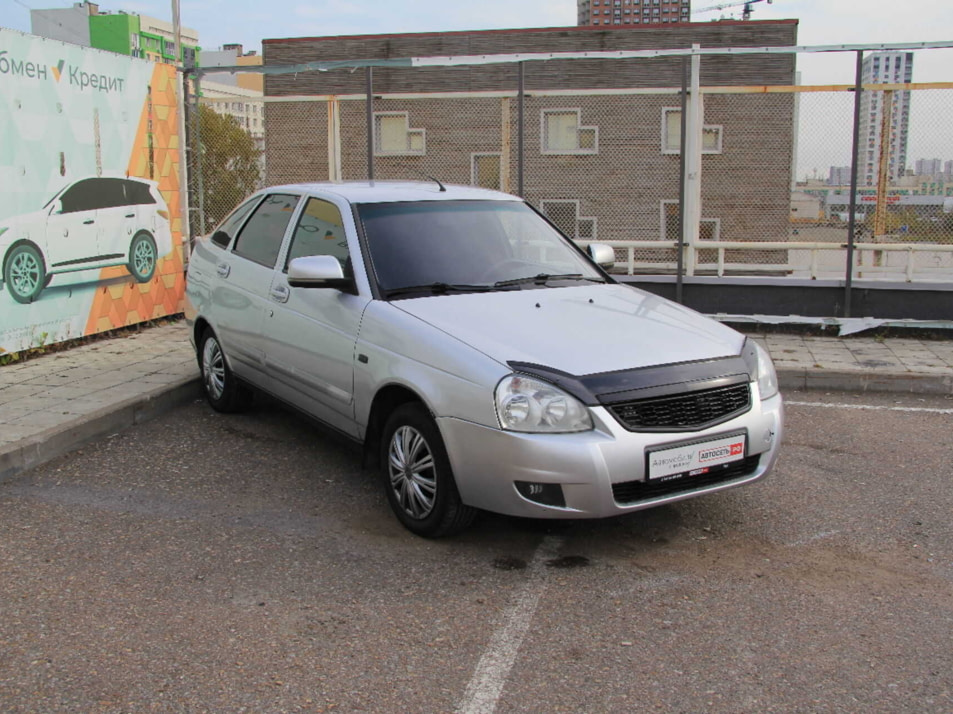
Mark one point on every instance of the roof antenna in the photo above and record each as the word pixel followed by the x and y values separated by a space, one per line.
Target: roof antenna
pixel 443 188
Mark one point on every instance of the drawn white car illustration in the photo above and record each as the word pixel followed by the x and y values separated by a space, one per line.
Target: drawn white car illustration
pixel 92 223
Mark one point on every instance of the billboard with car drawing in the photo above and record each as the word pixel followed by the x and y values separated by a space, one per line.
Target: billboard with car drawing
pixel 90 225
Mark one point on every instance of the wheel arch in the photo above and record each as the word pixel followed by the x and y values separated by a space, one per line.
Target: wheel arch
pixel 387 399
pixel 142 231
pixel 198 329
pixel 17 243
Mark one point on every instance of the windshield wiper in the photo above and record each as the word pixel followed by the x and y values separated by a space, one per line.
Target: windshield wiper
pixel 437 288
pixel 544 278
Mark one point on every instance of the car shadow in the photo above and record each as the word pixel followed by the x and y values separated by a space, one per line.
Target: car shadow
pixel 56 291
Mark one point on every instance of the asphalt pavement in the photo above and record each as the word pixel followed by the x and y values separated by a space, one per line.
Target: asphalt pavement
pixel 54 403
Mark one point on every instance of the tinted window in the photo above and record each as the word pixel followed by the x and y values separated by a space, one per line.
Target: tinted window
pixel 112 193
pixel 320 231
pixel 260 239
pixel 464 242
pixel 138 193
pixel 230 226
pixel 87 195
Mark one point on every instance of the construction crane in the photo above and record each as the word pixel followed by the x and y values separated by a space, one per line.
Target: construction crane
pixel 745 15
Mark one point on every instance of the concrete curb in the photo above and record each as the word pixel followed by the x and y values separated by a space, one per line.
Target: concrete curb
pixel 59 440
pixel 854 381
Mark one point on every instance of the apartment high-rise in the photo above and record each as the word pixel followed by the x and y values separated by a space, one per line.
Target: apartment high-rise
pixel 126 33
pixel 928 167
pixel 884 68
pixel 633 12
pixel 839 176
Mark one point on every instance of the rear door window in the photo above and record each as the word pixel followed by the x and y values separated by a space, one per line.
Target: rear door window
pixel 260 239
pixel 226 232
pixel 112 193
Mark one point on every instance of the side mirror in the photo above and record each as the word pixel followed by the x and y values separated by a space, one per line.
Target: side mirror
pixel 318 271
pixel 57 206
pixel 602 255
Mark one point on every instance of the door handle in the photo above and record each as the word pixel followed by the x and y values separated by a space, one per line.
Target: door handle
pixel 223 270
pixel 130 215
pixel 280 293
pixel 86 223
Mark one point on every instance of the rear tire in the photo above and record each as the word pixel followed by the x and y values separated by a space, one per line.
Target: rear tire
pixel 142 257
pixel 223 392
pixel 417 475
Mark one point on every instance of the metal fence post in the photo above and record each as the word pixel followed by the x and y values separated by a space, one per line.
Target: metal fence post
pixel 185 171
pixel 197 155
pixel 693 162
pixel 334 139
pixel 520 138
pixel 680 250
pixel 854 169
pixel 370 123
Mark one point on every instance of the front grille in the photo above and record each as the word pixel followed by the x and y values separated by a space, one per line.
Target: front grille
pixel 634 491
pixel 686 410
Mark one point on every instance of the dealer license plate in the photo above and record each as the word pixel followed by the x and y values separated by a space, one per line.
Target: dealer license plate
pixel 697 458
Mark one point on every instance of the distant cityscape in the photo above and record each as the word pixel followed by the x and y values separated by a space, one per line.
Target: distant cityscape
pixel 927 174
pixel 885 115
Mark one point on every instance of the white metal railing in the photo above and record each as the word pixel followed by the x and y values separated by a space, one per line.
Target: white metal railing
pixel 869 259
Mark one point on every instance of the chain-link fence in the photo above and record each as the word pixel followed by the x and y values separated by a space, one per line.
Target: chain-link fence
pixel 764 188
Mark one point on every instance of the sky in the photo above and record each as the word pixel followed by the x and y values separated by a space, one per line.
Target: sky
pixel 821 22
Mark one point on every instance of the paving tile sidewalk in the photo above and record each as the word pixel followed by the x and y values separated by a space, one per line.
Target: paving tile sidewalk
pixel 55 403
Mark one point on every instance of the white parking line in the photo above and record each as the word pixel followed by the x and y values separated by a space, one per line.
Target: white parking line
pixel 827 405
pixel 483 692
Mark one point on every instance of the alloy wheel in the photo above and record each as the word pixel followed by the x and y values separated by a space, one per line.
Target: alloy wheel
pixel 143 258
pixel 213 368
pixel 413 476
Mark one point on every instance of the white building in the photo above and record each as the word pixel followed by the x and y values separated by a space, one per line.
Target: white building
pixel 884 68
pixel 928 167
pixel 246 105
pixel 839 176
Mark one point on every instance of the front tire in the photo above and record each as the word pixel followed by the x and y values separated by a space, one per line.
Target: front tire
pixel 142 257
pixel 417 475
pixel 223 392
pixel 25 273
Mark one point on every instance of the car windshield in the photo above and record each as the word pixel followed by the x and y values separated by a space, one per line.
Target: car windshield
pixel 464 246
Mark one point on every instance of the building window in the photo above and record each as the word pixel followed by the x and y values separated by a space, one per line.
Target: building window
pixel 565 216
pixel 485 171
pixel 672 133
pixel 709 229
pixel 394 137
pixel 561 133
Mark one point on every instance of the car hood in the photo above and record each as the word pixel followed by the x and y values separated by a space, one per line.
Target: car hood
pixel 29 217
pixel 579 330
pixel 19 226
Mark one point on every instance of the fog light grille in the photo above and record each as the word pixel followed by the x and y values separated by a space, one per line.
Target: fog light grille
pixel 547 494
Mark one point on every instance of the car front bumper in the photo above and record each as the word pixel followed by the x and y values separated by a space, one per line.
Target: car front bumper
pixel 598 470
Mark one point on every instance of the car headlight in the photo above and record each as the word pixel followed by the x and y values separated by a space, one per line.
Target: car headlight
pixel 761 368
pixel 527 404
